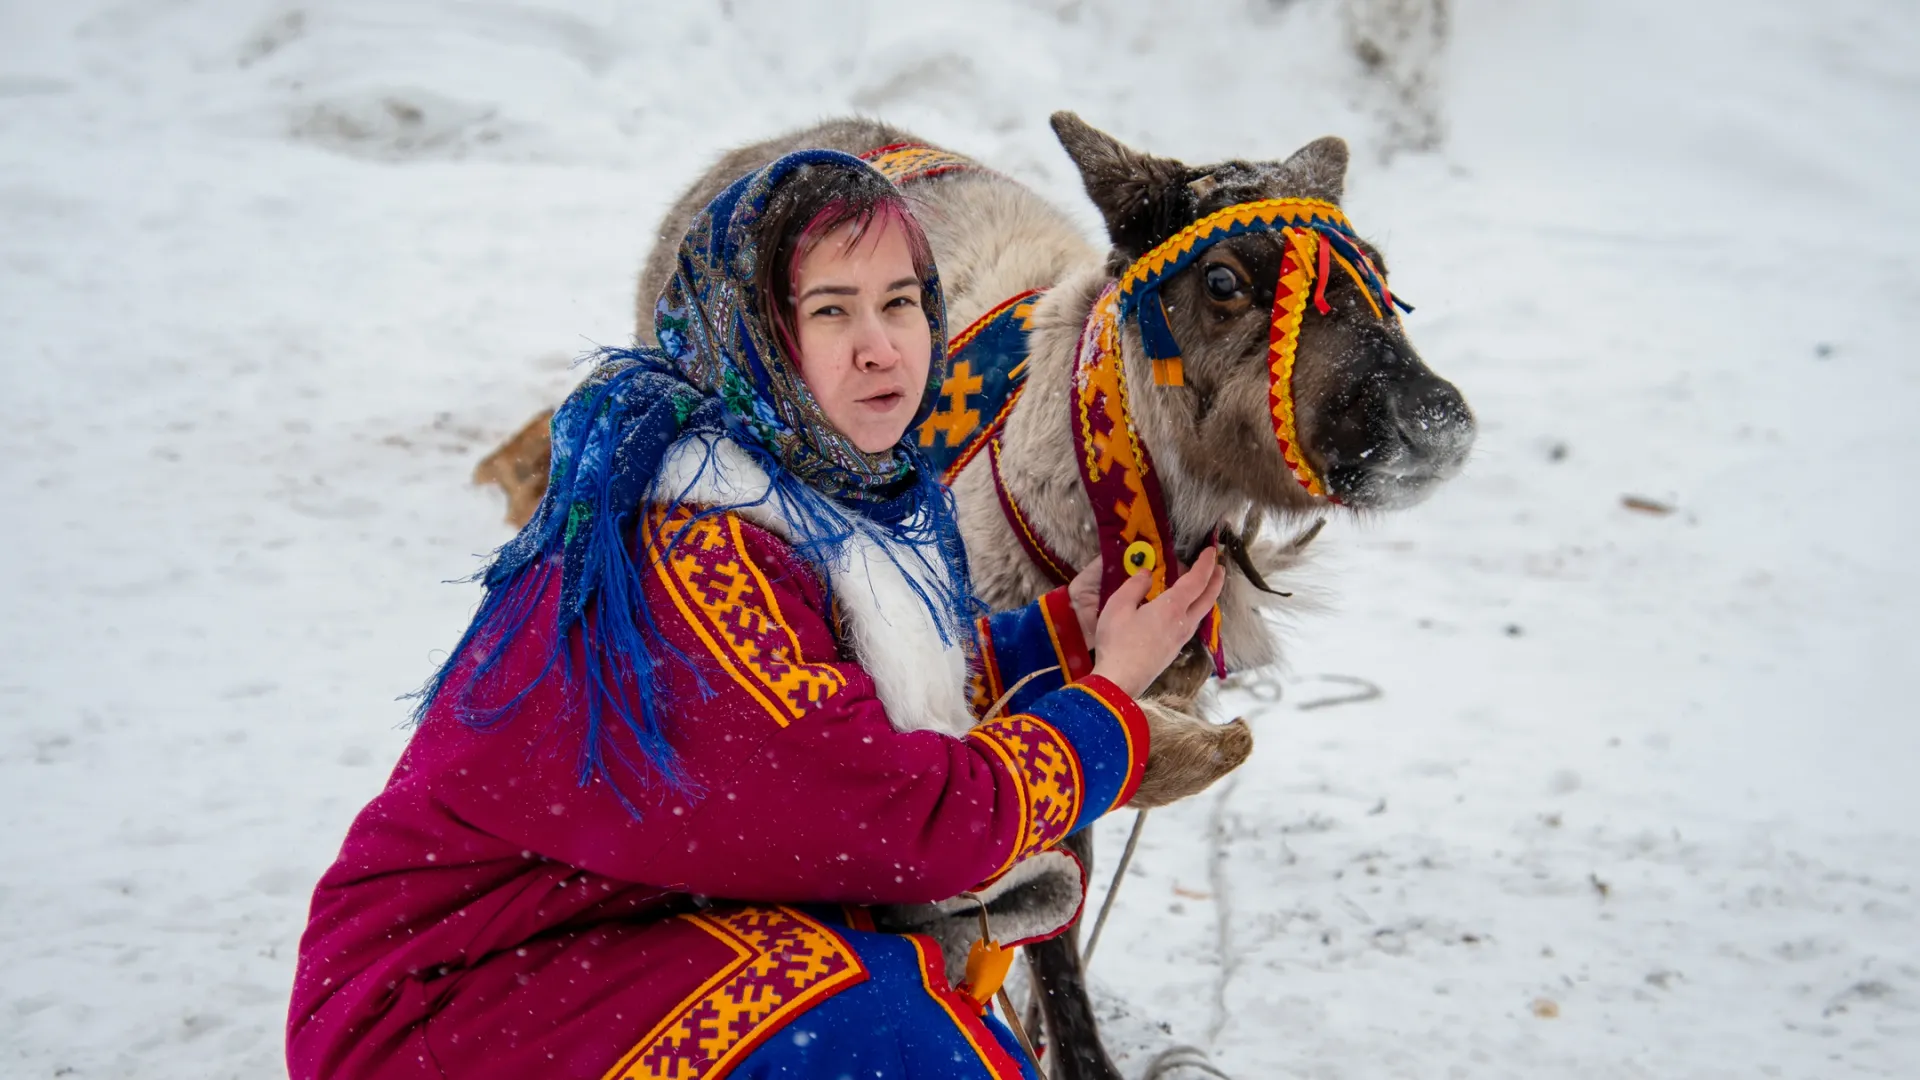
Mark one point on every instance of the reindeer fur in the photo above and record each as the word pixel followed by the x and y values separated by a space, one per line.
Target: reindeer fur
pixel 1211 440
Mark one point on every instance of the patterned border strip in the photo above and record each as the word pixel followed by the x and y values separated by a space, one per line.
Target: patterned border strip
pixel 1049 782
pixel 1016 377
pixel 784 963
pixel 905 162
pixel 1289 307
pixel 726 601
pixel 1117 474
pixel 990 685
pixel 965 337
pixel 986 435
pixel 1174 253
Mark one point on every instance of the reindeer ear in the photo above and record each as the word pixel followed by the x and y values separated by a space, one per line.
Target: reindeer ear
pixel 1319 169
pixel 1143 198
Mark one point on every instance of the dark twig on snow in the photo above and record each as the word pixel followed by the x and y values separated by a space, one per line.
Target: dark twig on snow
pixel 1229 955
pixel 1113 888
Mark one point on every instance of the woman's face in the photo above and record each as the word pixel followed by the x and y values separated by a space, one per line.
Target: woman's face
pixel 863 338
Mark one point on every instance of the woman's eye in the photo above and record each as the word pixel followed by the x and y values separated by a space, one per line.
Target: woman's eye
pixel 1222 282
pixel 829 309
pixel 904 302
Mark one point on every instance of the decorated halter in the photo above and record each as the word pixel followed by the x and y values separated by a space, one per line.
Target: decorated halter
pixel 1315 236
pixel 1117 472
pixel 1116 469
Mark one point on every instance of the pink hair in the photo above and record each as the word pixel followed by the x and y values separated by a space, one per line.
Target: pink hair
pixel 870 219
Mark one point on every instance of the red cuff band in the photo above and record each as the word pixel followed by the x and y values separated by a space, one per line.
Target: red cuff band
pixel 1069 644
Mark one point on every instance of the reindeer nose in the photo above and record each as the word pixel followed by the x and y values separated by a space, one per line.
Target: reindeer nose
pixel 1433 421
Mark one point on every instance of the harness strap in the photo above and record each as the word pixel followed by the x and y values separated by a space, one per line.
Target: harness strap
pixel 1038 553
pixel 1117 472
pixel 905 162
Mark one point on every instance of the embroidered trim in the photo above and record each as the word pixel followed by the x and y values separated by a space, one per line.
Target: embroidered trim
pixel 1024 299
pixel 1048 779
pixel 1116 470
pixel 1063 630
pixel 728 603
pixel 784 963
pixel 1304 225
pixel 906 162
pixel 987 683
pixel 986 436
pixel 987 370
pixel 1289 306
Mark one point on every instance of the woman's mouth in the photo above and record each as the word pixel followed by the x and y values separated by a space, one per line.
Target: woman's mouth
pixel 883 402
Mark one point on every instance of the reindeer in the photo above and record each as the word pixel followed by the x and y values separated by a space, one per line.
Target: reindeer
pixel 1372 427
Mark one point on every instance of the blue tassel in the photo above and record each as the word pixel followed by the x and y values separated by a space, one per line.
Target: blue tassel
pixel 1155 334
pixel 714 378
pixel 610 442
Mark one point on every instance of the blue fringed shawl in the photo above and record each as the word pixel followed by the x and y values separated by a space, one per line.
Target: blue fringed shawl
pixel 716 375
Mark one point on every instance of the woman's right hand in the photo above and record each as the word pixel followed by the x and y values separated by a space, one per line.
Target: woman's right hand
pixel 1134 642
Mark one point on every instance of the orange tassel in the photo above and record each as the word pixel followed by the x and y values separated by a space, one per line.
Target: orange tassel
pixel 987 967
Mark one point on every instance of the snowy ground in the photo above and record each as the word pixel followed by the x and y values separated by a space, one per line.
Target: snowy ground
pixel 1636 798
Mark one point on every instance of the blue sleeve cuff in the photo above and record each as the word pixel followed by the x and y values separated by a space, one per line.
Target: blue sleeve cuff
pixel 1077 754
pixel 1015 644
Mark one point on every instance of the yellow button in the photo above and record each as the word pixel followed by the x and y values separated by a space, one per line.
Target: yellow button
pixel 1140 556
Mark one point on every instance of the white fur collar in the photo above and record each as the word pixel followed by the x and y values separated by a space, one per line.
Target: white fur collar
pixel 921 679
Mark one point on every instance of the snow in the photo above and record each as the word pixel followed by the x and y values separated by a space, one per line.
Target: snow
pixel 273 277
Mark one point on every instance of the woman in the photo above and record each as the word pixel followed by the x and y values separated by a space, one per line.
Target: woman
pixel 716 703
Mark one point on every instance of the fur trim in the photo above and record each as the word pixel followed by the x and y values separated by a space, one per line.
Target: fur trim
pixel 920 677
pixel 1034 900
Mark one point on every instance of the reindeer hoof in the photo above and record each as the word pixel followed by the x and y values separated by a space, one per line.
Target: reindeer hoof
pixel 1187 754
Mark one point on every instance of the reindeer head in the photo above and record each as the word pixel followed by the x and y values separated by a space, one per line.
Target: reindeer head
pixel 1378 427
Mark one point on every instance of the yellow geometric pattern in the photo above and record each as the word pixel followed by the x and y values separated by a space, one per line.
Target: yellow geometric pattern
pixel 1100 377
pixel 1265 211
pixel 954 418
pixel 783 964
pixel 1289 306
pixel 1046 775
pixel 911 161
pixel 725 599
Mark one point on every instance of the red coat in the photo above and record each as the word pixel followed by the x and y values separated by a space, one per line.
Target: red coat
pixel 489 915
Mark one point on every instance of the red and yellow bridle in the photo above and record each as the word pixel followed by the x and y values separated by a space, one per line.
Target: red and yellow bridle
pixel 1316 236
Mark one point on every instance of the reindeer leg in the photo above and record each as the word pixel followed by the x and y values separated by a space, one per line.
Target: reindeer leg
pixel 1060 986
pixel 1036 1020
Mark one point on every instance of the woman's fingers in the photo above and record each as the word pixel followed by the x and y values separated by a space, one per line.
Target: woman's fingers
pixel 1209 592
pixel 1133 590
pixel 1193 595
pixel 1136 639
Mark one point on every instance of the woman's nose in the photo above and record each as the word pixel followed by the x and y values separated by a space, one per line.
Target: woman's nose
pixel 874 350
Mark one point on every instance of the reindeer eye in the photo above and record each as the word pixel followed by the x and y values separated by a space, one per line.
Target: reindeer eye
pixel 1222 282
